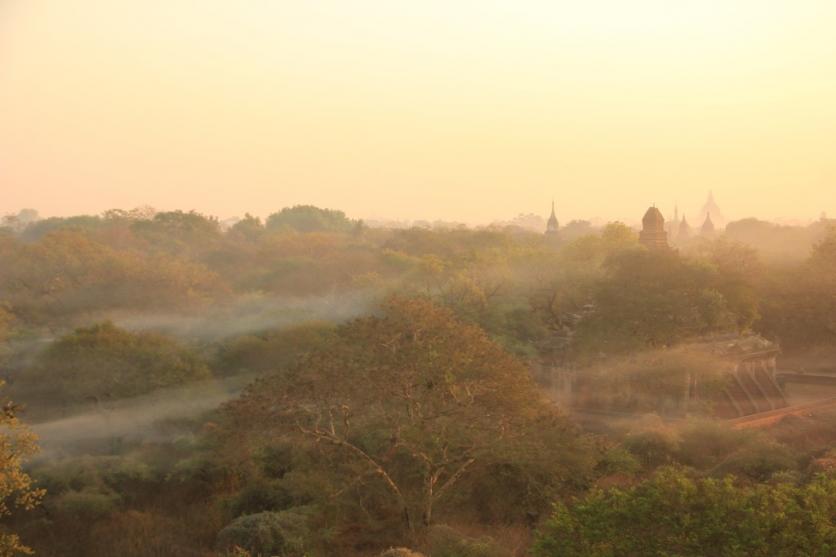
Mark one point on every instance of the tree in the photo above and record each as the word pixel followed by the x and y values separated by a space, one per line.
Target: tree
pixel 673 514
pixel 17 445
pixel 249 229
pixel 654 299
pixel 307 218
pixel 68 271
pixel 824 252
pixel 105 362
pixel 412 396
pixel 6 320
pixel 738 267
pixel 270 350
pixel 799 305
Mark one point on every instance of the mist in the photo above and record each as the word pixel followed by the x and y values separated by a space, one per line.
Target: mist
pixel 251 313
pixel 156 417
pixel 389 279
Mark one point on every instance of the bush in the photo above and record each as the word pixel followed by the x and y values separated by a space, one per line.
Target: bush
pixel 673 514
pixel 86 505
pixel 444 541
pixel 653 446
pixel 267 533
pixel 716 448
pixel 103 362
pixel 759 460
pixel 618 461
pixel 704 444
pixel 258 497
pixel 272 350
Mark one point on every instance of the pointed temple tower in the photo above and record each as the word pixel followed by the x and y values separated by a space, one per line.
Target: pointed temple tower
pixel 684 230
pixel 552 225
pixel 707 226
pixel 672 224
pixel 653 234
pixel 711 208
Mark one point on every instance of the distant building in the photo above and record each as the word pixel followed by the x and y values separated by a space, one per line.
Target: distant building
pixel 711 208
pixel 672 225
pixel 552 226
pixel 653 234
pixel 684 230
pixel 707 226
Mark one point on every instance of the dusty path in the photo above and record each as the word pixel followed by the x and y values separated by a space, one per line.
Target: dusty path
pixel 766 419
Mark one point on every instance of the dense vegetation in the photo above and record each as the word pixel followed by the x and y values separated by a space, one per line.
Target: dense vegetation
pixel 398 388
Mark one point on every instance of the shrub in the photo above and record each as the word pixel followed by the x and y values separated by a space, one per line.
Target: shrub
pixel 86 505
pixel 673 514
pixel 267 533
pixel 653 446
pixel 104 362
pixel 258 497
pixel 444 541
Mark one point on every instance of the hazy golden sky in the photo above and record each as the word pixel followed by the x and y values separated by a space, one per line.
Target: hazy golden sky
pixel 469 111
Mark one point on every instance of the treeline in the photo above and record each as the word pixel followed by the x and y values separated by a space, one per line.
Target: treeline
pixel 415 419
pixel 572 302
pixel 66 271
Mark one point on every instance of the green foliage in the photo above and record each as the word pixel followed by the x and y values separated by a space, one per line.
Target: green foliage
pixel 706 444
pixel 307 218
pixel 85 505
pixel 799 306
pixel 653 298
pixel 260 496
pixel 271 350
pixel 104 362
pixel 267 533
pixel 249 228
pixel 41 228
pixel 709 446
pixel 652 446
pixel 405 403
pixel 619 460
pixel 444 541
pixel 673 514
pixel 419 390
pixel 759 460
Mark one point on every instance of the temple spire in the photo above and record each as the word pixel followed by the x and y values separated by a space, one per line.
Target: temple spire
pixel 707 226
pixel 552 225
pixel 653 234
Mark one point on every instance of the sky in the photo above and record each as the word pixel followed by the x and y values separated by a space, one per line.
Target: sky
pixel 439 109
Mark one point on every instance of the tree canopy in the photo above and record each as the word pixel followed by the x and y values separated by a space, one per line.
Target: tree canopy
pixel 411 396
pixel 104 362
pixel 674 514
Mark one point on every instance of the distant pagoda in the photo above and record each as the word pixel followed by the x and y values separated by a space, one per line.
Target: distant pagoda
pixel 710 208
pixel 653 234
pixel 684 230
pixel 707 226
pixel 552 226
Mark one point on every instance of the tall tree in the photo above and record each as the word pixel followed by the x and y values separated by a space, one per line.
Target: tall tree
pixel 413 396
pixel 17 445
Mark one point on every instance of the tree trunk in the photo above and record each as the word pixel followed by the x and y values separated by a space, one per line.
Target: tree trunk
pixel 428 501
